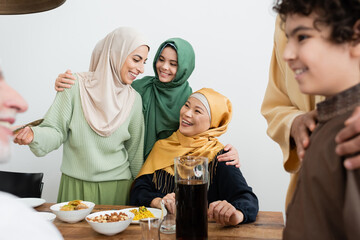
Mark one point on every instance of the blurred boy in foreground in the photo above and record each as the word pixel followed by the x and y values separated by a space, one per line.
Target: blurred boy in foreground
pixel 323 51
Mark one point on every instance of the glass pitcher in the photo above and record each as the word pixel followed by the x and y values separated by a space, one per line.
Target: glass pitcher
pixel 191 179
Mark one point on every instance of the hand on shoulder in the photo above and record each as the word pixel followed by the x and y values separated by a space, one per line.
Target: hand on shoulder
pixel 64 80
pixel 300 128
pixel 348 141
pixel 231 157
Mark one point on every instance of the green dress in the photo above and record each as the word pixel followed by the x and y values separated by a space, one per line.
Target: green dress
pixel 162 101
pixel 108 193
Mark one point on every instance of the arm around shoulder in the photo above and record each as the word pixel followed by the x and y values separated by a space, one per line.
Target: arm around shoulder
pixel 283 102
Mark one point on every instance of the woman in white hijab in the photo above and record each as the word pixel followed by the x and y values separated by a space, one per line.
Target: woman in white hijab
pixel 99 122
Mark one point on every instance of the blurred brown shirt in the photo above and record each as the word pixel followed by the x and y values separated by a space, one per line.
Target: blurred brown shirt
pixel 326 203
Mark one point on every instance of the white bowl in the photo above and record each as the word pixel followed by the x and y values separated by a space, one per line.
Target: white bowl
pixel 72 216
pixel 47 216
pixel 32 202
pixel 110 228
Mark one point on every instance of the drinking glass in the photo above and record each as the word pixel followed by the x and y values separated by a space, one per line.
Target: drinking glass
pixel 168 225
pixel 150 228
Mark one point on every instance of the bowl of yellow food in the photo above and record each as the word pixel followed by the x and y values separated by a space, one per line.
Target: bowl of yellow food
pixel 144 212
pixel 110 222
pixel 73 211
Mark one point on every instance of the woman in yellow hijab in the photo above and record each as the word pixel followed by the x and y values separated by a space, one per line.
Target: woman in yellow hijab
pixel 205 116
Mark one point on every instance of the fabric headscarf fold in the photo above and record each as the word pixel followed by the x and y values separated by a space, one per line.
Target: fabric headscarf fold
pixel 204 144
pixel 162 101
pixel 105 99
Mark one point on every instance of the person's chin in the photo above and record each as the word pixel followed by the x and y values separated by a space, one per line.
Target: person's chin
pixel 165 79
pixel 128 81
pixel 185 132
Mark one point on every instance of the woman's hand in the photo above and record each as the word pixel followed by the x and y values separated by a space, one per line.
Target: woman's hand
pixel 24 137
pixel 155 203
pixel 169 202
pixel 64 80
pixel 348 141
pixel 231 156
pixel 300 131
pixel 225 213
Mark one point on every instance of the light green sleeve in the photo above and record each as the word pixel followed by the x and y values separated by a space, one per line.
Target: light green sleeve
pixel 53 132
pixel 135 145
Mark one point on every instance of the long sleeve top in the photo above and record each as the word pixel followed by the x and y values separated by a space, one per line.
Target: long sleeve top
pixel 282 103
pixel 226 183
pixel 326 201
pixel 87 155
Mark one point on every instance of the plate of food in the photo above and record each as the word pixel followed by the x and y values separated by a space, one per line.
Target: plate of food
pixel 73 211
pixel 144 212
pixel 33 202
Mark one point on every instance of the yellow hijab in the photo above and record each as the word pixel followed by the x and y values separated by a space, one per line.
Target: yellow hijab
pixel 204 144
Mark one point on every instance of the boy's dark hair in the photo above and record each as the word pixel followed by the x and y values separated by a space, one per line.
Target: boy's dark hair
pixel 340 15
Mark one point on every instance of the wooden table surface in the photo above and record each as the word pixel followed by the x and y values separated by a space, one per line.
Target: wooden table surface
pixel 268 225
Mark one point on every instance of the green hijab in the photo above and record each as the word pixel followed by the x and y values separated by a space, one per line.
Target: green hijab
pixel 162 101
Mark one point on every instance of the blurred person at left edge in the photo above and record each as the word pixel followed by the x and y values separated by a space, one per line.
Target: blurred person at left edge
pixel 17 220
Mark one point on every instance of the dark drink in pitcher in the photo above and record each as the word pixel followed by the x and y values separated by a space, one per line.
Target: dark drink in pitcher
pixel 191 210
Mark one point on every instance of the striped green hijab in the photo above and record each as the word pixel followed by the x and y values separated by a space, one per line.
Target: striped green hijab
pixel 162 101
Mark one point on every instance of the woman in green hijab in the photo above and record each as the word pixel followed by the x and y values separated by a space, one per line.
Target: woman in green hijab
pixel 164 94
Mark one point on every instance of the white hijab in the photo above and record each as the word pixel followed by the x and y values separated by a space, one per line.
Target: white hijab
pixel 105 99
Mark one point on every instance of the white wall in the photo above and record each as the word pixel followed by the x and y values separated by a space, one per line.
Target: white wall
pixel 233 44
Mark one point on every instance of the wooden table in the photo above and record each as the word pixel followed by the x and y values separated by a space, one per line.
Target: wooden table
pixel 268 225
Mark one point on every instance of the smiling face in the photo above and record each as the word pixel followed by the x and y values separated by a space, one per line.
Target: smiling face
pixel 134 64
pixel 11 103
pixel 321 67
pixel 167 64
pixel 194 118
